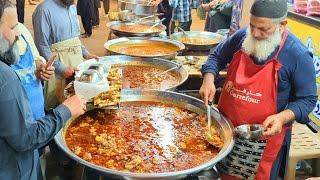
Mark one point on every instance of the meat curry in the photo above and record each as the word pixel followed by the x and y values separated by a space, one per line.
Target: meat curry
pixel 142 137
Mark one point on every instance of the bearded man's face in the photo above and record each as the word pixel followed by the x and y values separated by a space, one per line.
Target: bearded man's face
pixel 262 38
pixel 9 52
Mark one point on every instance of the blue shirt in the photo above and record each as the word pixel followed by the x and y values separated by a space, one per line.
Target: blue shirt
pixel 181 10
pixel 52 23
pixel 19 134
pixel 297 89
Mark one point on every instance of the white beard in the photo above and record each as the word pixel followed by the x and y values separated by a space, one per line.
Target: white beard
pixel 261 49
pixel 9 53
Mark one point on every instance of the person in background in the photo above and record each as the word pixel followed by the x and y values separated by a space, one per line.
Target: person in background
pixel 181 15
pixel 106 6
pixel 164 7
pixel 20 10
pixel 56 29
pixel 85 9
pixel 218 16
pixel 20 135
pixel 96 18
pixel 270 81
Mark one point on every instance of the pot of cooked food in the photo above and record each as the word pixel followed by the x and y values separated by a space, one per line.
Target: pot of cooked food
pixel 139 73
pixel 153 135
pixel 198 40
pixel 145 47
pixel 138 7
pixel 135 29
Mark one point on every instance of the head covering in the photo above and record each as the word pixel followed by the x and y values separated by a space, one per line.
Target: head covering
pixel 269 8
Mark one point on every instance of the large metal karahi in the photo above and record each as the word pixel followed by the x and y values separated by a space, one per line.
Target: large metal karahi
pixel 123 60
pixel 136 40
pixel 198 34
pixel 119 33
pixel 224 127
pixel 138 7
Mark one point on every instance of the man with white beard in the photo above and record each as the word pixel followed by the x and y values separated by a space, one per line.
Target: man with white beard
pixel 271 81
pixel 20 135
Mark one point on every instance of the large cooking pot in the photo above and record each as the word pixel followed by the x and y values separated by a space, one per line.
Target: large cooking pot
pixel 122 60
pixel 152 46
pixel 204 40
pixel 114 27
pixel 138 7
pixel 223 126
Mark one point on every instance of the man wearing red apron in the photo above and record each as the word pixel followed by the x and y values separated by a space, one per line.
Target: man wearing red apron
pixel 270 81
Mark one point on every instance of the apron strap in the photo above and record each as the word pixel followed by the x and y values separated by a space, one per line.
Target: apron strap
pixel 283 40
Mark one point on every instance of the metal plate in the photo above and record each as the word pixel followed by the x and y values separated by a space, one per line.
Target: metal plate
pixel 224 128
pixel 198 34
pixel 109 45
pixel 113 24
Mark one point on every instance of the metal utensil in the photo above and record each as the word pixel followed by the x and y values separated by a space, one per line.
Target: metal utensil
pixel 209 137
pixel 249 131
pixel 168 70
pixel 183 31
pixel 209 119
pixel 156 24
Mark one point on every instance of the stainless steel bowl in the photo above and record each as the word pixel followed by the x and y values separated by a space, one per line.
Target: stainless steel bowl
pixel 223 126
pixel 139 7
pixel 90 76
pixel 126 15
pixel 249 131
pixel 198 34
pixel 138 40
pixel 113 24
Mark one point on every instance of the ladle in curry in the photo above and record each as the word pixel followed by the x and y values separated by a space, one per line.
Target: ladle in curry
pixel 209 133
pixel 156 24
pixel 183 31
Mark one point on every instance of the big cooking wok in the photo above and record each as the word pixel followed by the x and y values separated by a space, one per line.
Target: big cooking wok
pixel 223 126
pixel 118 32
pixel 151 45
pixel 212 39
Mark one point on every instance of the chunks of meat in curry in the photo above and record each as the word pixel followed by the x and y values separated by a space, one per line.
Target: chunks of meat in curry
pixel 142 137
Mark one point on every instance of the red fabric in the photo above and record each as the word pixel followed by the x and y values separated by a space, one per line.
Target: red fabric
pixel 249 96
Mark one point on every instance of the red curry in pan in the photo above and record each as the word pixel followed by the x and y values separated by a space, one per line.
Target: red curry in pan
pixel 142 137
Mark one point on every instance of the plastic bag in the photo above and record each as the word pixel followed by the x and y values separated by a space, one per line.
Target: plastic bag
pixel 300 6
pixel 313 8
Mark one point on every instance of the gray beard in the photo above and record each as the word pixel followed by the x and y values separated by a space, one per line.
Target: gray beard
pixel 261 49
pixel 9 54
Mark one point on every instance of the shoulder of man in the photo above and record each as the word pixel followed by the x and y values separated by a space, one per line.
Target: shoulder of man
pixel 296 48
pixel 6 74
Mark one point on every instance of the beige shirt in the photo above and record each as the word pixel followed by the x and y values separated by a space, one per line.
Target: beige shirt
pixel 23 45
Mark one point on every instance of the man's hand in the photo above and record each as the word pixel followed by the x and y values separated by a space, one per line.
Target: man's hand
pixel 91 56
pixel 206 7
pixel 156 2
pixel 208 89
pixel 274 123
pixel 69 72
pixel 45 73
pixel 76 105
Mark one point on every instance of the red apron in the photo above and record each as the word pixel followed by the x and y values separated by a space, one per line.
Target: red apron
pixel 249 96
